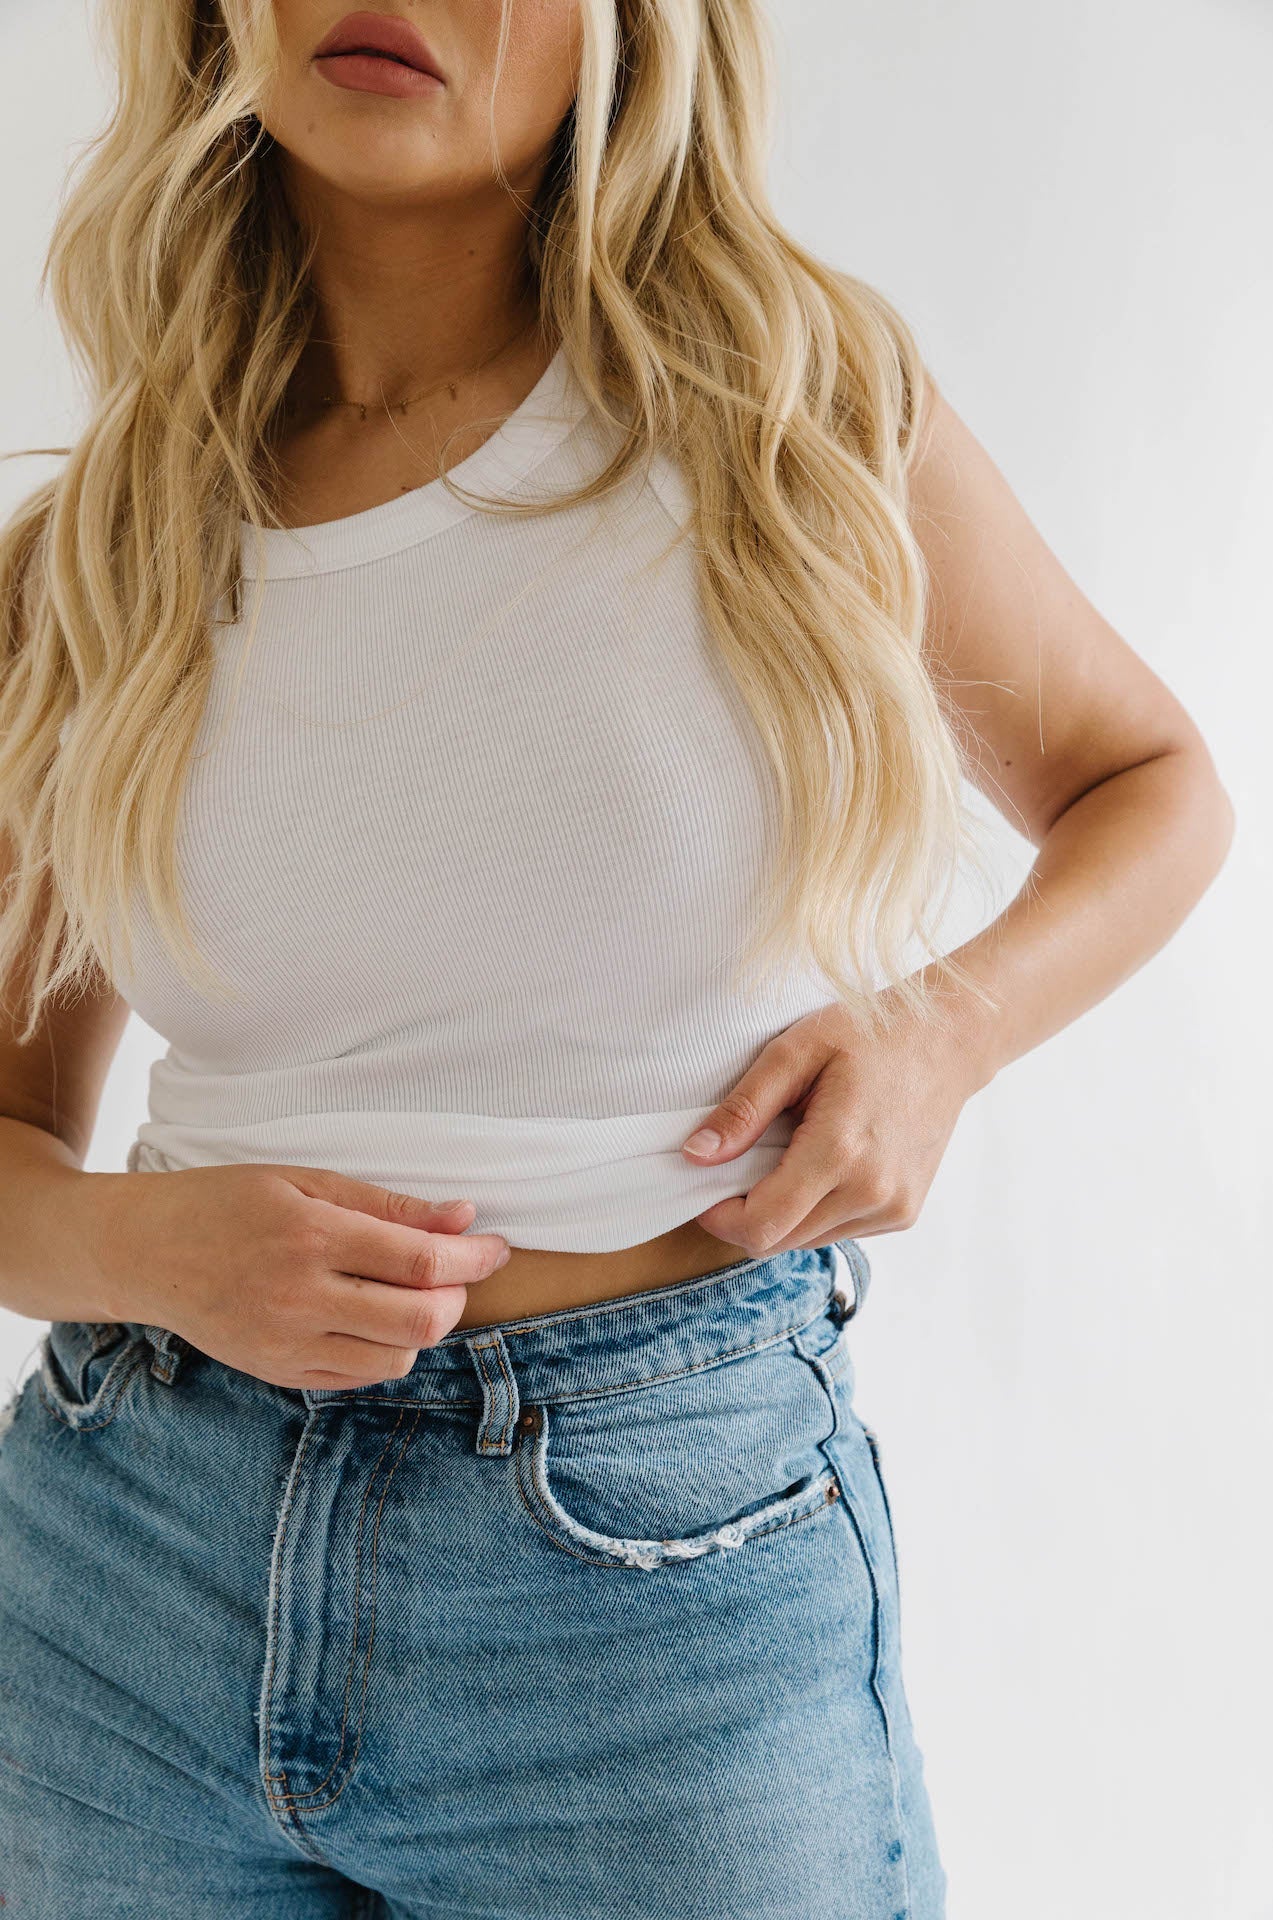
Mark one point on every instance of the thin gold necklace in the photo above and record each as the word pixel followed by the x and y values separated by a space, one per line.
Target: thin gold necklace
pixel 400 406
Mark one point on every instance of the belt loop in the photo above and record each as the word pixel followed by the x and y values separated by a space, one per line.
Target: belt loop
pixel 500 1402
pixel 852 1278
pixel 170 1350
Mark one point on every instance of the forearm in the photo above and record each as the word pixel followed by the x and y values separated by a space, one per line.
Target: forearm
pixel 48 1264
pixel 1118 872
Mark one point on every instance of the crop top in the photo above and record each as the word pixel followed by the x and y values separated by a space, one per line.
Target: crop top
pixel 475 840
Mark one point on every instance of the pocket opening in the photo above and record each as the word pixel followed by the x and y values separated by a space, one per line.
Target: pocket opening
pixel 802 1499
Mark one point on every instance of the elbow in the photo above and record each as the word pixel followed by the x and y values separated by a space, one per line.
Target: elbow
pixel 1216 818
pixel 1208 801
pixel 1227 822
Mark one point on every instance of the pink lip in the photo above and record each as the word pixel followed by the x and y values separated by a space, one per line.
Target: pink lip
pixel 374 73
pixel 384 38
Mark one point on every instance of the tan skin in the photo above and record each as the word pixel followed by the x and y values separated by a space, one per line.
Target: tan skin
pixel 305 1277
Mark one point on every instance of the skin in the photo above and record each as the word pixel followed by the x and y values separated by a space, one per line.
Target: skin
pixel 1078 742
pixel 419 269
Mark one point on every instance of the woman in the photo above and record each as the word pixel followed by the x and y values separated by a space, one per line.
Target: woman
pixel 512 575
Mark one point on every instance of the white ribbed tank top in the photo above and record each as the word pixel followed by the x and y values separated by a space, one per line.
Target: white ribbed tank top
pixel 475 841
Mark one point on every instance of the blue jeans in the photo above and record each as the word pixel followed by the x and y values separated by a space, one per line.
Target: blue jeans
pixel 594 1613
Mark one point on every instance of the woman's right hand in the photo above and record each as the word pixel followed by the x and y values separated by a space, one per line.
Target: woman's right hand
pixel 301 1276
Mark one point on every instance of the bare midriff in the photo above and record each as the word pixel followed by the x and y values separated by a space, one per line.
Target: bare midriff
pixel 534 1280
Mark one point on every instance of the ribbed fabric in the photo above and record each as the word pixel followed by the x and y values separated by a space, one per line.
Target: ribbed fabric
pixel 475 842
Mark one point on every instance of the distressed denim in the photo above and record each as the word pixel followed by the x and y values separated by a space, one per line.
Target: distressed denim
pixel 594 1613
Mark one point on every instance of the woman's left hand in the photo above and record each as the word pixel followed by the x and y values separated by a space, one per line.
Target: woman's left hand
pixel 874 1115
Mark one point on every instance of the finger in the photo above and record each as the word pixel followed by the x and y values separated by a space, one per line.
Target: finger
pixel 394 1316
pixel 837 1221
pixel 825 1236
pixel 363 1362
pixel 407 1257
pixel 827 1223
pixel 805 1187
pixel 799 1187
pixel 780 1073
pixel 381 1203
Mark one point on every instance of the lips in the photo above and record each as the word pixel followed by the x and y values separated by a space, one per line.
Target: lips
pixel 385 35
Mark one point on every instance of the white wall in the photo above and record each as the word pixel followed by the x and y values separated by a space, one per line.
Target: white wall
pixel 1067 1358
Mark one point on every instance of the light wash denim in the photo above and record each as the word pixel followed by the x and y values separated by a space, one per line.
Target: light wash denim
pixel 595 1613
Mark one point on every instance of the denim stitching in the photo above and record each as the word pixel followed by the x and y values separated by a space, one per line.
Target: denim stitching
pixel 827 1381
pixel 877 1607
pixel 596 1560
pixel 304 1800
pixel 280 1542
pixel 502 1357
pixel 110 1391
pixel 598 1393
pixel 478 1349
pixel 353 1650
pixel 647 1555
pixel 873 1443
pixel 482 1347
pixel 683 1373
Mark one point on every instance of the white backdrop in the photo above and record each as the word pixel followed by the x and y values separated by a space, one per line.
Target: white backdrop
pixel 1068 1358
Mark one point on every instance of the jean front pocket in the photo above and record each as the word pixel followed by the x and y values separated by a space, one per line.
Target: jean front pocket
pixel 85 1366
pixel 675 1469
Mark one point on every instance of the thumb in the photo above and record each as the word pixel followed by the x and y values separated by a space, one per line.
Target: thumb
pixel 383 1203
pixel 773 1081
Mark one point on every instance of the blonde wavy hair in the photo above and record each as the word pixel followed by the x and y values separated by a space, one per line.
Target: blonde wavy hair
pixel 790 393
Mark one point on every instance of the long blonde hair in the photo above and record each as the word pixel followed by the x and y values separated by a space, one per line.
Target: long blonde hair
pixel 790 393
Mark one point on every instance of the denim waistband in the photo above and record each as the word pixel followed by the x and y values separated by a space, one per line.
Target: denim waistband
pixel 631 1340
pixel 606 1345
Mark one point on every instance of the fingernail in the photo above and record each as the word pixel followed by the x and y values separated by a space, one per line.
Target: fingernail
pixel 503 1259
pixel 704 1141
pixel 449 1206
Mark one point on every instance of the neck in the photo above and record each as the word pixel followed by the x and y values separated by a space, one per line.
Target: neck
pixel 410 299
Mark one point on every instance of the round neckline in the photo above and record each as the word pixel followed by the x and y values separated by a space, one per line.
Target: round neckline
pixel 522 440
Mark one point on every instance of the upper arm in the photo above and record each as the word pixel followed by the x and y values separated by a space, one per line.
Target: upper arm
pixel 1049 698
pixel 56 1081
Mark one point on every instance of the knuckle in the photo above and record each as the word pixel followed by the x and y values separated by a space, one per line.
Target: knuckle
pixel 786 1051
pixel 740 1109
pixel 399 1207
pixel 307 1243
pixel 421 1321
pixel 842 1154
pixel 438 1326
pixel 909 1207
pixel 422 1267
pixel 762 1232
